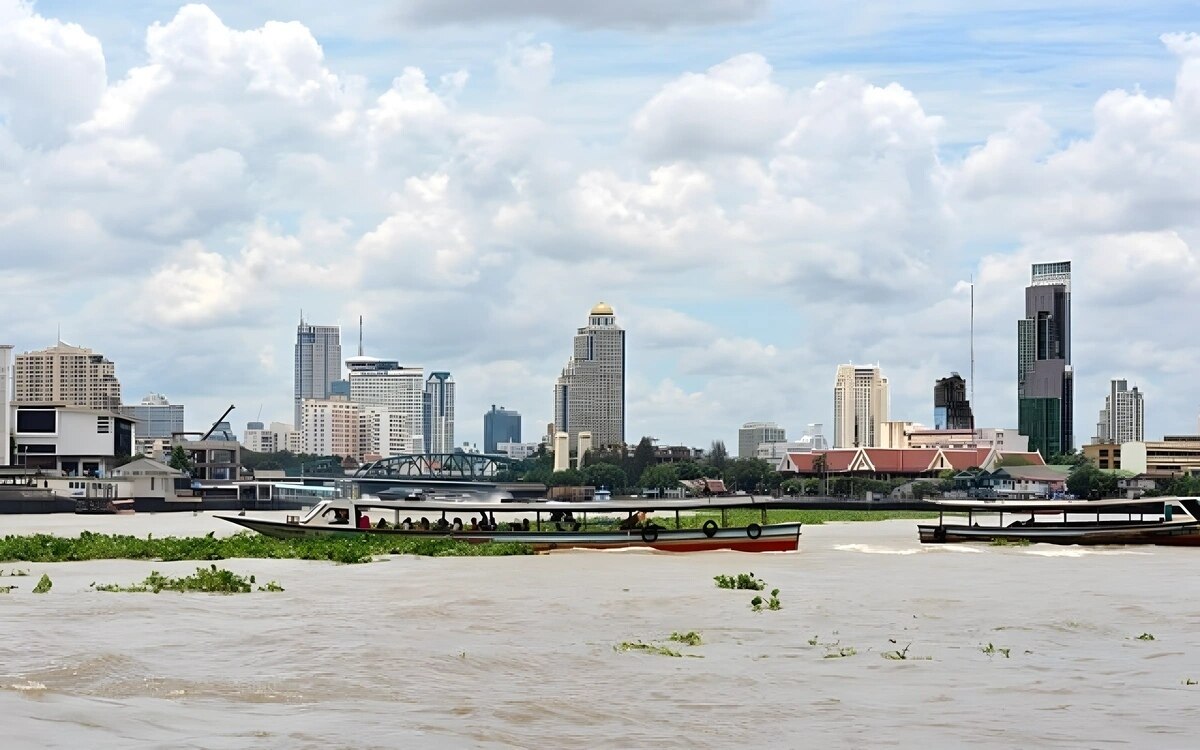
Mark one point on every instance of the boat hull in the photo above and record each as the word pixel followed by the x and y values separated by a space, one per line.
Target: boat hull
pixel 772 538
pixel 1185 534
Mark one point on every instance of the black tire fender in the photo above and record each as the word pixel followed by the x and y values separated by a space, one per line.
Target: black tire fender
pixel 710 528
pixel 754 531
pixel 939 534
pixel 649 534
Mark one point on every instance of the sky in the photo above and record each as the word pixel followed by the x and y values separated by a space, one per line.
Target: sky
pixel 761 189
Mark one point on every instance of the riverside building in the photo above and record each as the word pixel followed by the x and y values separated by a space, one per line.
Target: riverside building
pixel 951 408
pixel 318 364
pixel 590 393
pixel 1045 379
pixel 67 375
pixel 753 434
pixel 155 417
pixel 860 406
pixel 397 396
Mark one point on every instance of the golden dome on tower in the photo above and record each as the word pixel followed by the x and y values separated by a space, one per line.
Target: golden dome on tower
pixel 602 309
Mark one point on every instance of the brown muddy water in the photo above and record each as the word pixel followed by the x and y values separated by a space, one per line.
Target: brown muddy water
pixel 519 652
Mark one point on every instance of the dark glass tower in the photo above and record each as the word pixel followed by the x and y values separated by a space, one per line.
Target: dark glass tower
pixel 951 409
pixel 1045 381
pixel 500 426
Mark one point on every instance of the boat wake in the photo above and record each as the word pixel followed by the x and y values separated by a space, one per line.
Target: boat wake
pixel 871 550
pixel 1081 551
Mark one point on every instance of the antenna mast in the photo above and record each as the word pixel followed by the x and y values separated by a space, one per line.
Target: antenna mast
pixel 360 349
pixel 973 404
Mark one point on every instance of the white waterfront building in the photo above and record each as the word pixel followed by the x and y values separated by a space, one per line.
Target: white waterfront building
pixel 589 395
pixel 860 406
pixel 439 413
pixel 753 434
pixel 1123 418
pixel 384 386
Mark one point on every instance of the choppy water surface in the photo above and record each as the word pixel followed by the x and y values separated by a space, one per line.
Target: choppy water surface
pixel 504 652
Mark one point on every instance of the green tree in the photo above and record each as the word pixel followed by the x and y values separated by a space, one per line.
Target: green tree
pixel 1067 458
pixel 792 487
pixel 660 477
pixel 747 474
pixel 643 457
pixel 179 459
pixel 689 470
pixel 717 455
pixel 566 478
pixel 605 475
pixel 1083 479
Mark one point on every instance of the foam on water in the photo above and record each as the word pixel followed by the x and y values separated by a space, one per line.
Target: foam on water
pixel 872 550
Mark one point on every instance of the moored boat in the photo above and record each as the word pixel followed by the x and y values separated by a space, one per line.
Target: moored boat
pixel 544 526
pixel 1163 521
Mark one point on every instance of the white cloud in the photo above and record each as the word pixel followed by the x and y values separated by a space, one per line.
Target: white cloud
pixel 647 14
pixel 526 68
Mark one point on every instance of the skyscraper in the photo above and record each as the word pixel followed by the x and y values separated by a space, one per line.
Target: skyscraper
pixel 5 405
pixel 590 394
pixel 67 375
pixel 439 413
pixel 951 409
pixel 1045 380
pixel 1123 418
pixel 753 433
pixel 318 364
pixel 500 426
pixel 860 406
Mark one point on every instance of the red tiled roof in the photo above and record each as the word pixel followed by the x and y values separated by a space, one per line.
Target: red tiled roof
pixel 901 460
pixel 966 458
pixel 836 460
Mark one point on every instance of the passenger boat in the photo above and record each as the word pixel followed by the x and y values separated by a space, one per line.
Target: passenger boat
pixel 1166 521
pixel 103 506
pixel 544 526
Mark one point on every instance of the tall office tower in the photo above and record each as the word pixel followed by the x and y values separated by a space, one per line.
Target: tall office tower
pixel 5 405
pixel 439 413
pixel 751 434
pixel 1123 418
pixel 500 426
pixel 590 394
pixel 1045 380
pixel 155 417
pixel 384 384
pixel 951 408
pixel 67 375
pixel 318 364
pixel 860 406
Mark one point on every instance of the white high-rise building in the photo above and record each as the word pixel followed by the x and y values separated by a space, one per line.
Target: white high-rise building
pixel 439 413
pixel 331 427
pixel 590 394
pixel 318 363
pixel 860 406
pixel 753 434
pixel 385 385
pixel 5 405
pixel 66 375
pixel 1123 418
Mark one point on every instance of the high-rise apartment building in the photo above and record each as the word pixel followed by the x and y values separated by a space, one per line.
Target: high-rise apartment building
pixel 5 405
pixel 331 427
pixel 384 384
pixel 590 393
pixel 752 434
pixel 860 406
pixel 1123 418
pixel 66 375
pixel 1045 380
pixel 500 426
pixel 318 363
pixel 439 413
pixel 155 418
pixel 951 408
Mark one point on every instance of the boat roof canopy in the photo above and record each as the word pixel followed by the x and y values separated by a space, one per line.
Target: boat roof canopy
pixel 624 505
pixel 1062 506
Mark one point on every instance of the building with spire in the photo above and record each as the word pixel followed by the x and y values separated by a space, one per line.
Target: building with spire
pixel 1045 379
pixel 66 375
pixel 589 395
pixel 318 364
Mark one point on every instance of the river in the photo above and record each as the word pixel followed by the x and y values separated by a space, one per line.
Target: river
pixel 519 651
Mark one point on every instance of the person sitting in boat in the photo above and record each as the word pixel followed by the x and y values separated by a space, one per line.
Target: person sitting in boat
pixel 492 522
pixel 383 524
pixel 424 523
pixel 341 517
pixel 474 524
pixel 362 521
pixel 407 523
pixel 525 524
pixel 457 525
pixel 629 523
pixel 442 524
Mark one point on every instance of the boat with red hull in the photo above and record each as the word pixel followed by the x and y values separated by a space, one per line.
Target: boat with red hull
pixel 544 526
pixel 1168 521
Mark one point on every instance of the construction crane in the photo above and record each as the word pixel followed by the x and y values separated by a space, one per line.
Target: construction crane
pixel 219 421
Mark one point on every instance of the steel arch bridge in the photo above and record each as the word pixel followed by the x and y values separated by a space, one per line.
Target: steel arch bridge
pixel 462 466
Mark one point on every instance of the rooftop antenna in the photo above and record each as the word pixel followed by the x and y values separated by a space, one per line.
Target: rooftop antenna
pixel 360 349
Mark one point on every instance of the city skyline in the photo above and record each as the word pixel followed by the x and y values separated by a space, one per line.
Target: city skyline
pixel 543 179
